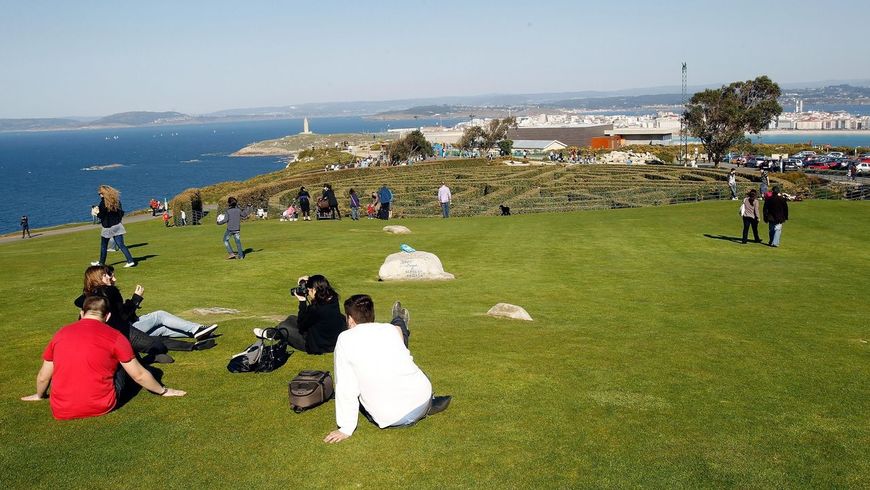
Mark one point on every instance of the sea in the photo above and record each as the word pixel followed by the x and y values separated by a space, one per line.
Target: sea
pixel 53 176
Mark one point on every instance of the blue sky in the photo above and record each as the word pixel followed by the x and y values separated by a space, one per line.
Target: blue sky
pixel 91 58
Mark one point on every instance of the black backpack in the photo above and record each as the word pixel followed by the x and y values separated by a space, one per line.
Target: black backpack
pixel 263 356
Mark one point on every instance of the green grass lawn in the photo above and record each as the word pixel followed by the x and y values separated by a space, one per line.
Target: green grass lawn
pixel 658 356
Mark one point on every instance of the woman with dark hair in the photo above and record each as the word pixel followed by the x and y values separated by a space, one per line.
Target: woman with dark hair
pixel 329 196
pixel 750 213
pixel 305 203
pixel 110 214
pixel 315 330
pixel 100 281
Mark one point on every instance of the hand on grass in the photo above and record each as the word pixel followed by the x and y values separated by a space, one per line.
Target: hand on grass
pixel 335 436
pixel 139 289
pixel 32 398
pixel 174 392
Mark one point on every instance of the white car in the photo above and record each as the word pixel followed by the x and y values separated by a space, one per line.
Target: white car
pixel 835 154
pixel 863 168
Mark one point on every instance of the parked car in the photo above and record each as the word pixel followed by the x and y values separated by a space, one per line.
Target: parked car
pixel 863 168
pixel 805 154
pixel 819 165
pixel 835 154
pixel 791 164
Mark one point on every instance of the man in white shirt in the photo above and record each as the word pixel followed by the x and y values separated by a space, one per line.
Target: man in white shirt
pixel 444 198
pixel 374 369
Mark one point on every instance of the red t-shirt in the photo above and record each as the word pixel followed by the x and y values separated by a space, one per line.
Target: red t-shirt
pixel 85 355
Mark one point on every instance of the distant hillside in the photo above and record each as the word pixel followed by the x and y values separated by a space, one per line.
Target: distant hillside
pixel 38 124
pixel 139 118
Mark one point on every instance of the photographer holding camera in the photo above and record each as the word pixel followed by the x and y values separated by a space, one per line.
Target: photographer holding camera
pixel 315 330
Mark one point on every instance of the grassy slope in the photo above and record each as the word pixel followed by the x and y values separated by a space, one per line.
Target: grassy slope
pixel 658 356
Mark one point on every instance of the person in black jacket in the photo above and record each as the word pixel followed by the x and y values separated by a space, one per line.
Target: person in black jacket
pixel 100 281
pixel 315 330
pixel 304 203
pixel 775 214
pixel 329 195
pixel 110 214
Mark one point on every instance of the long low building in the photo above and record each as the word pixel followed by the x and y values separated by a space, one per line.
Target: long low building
pixel 641 136
pixel 539 146
pixel 578 136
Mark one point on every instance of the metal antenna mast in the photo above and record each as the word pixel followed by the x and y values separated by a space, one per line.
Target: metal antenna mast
pixel 684 136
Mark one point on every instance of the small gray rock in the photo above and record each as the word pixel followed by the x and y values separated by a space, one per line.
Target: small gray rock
pixel 507 310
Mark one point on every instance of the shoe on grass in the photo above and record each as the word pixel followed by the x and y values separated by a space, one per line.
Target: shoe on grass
pixel 204 332
pixel 403 313
pixel 129 264
pixel 96 263
pixel 231 256
pixel 163 359
pixel 439 404
pixel 260 333
pixel 204 344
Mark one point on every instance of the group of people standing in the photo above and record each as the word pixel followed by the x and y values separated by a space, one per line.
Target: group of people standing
pixel 774 212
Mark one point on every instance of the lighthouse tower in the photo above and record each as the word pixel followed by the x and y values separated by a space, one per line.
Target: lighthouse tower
pixel 305 129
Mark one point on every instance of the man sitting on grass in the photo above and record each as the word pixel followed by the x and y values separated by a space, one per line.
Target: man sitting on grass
pixel 81 363
pixel 374 368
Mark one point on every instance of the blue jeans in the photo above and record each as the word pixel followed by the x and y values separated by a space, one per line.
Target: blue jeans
pixel 119 243
pixel 162 324
pixel 414 416
pixel 354 213
pixel 775 233
pixel 445 209
pixel 236 235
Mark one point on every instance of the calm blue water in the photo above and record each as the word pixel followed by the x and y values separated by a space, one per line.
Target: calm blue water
pixel 834 138
pixel 43 176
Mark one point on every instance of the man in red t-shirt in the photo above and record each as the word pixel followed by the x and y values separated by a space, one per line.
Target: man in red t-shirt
pixel 81 363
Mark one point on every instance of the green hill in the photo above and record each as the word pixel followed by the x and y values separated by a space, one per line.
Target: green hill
pixel 662 354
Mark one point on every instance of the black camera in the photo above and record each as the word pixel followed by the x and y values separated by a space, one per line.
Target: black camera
pixel 302 290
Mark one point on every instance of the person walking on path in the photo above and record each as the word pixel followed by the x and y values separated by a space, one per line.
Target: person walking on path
pixel 775 214
pixel 329 195
pixel 233 219
pixel 304 203
pixel 354 205
pixel 444 198
pixel 750 213
pixel 110 214
pixel 25 226
pixel 385 197
pixel 95 211
pixel 732 183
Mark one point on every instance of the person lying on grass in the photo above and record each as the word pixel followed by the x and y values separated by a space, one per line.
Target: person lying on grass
pixel 375 373
pixel 149 333
pixel 81 363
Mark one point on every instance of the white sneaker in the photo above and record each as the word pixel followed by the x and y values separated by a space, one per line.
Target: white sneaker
pixel 130 264
pixel 260 333
pixel 95 263
pixel 204 331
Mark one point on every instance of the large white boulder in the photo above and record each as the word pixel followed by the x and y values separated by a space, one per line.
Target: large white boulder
pixel 414 266
pixel 397 230
pixel 508 310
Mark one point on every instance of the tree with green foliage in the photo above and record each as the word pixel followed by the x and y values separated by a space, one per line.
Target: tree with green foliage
pixel 505 147
pixel 486 138
pixel 411 145
pixel 720 118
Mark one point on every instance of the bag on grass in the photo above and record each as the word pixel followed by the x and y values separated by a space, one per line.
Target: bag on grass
pixel 263 356
pixel 310 389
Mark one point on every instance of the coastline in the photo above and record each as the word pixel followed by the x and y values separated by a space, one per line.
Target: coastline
pixel 813 132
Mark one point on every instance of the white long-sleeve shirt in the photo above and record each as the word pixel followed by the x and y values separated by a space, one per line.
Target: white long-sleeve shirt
pixel 373 367
pixel 444 194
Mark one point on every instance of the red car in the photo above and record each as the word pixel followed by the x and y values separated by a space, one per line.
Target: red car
pixel 820 166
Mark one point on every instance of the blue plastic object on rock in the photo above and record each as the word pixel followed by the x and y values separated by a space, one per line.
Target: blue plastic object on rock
pixel 407 248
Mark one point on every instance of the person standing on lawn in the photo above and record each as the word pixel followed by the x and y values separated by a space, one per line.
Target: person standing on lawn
pixel 775 215
pixel 25 226
pixel 444 198
pixel 233 219
pixel 732 184
pixel 750 214
pixel 110 215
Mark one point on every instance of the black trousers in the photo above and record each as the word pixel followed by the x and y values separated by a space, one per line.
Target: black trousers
pixel 747 222
pixel 384 211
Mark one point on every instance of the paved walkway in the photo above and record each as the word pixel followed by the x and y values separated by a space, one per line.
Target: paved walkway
pixel 16 237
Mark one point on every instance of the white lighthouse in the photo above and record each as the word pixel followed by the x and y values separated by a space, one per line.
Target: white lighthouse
pixel 305 129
